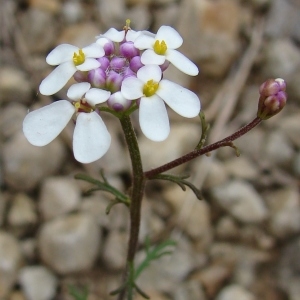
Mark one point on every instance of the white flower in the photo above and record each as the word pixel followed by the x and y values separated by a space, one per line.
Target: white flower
pixel 91 139
pixel 69 59
pixel 154 92
pixel 162 47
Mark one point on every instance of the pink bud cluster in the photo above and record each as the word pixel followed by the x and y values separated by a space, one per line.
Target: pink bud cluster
pixel 272 98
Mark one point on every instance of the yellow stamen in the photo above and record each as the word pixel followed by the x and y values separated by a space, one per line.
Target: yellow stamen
pixel 127 26
pixel 160 47
pixel 78 58
pixel 150 88
pixel 82 106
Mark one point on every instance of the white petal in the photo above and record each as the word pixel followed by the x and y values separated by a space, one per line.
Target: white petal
pixel 114 35
pixel 91 139
pixel 180 99
pixel 144 41
pixel 102 41
pixel 132 35
pixel 149 57
pixel 154 120
pixel 60 54
pixel 182 62
pixel 89 64
pixel 77 90
pixel 95 96
pixel 94 50
pixel 132 88
pixel 43 125
pixel 170 36
pixel 58 78
pixel 149 72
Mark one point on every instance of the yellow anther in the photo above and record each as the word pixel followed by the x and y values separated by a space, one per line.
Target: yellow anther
pixel 127 25
pixel 160 47
pixel 78 58
pixel 77 105
pixel 150 88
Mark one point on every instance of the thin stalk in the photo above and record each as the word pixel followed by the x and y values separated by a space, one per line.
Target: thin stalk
pixel 198 152
pixel 138 186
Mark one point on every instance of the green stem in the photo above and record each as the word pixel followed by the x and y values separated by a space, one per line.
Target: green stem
pixel 138 186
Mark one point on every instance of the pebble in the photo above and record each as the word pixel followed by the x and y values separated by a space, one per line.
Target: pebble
pixel 38 283
pixel 11 119
pixel 70 243
pixel 190 289
pixel 290 127
pixel 58 196
pixel 21 159
pixel 72 11
pixel 235 291
pixel 284 205
pixel 114 252
pixel 10 262
pixel 22 214
pixel 241 200
pixel 14 85
pixel 227 229
pixel 216 174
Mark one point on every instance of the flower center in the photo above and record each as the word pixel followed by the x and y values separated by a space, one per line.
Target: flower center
pixel 82 106
pixel 78 58
pixel 160 47
pixel 150 88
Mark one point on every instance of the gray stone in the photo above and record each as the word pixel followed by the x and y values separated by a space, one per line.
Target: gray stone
pixel 290 127
pixel 58 196
pixel 241 200
pixel 14 85
pixel 38 283
pixel 191 290
pixel 70 243
pixel 216 175
pixel 11 119
pixel 235 291
pixel 21 159
pixel 10 261
pixel 22 214
pixel 72 11
pixel 114 251
pixel 284 208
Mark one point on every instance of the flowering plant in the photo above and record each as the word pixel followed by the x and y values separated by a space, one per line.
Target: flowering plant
pixel 121 72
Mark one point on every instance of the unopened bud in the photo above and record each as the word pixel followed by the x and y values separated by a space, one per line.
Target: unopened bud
pixel 118 103
pixel 272 98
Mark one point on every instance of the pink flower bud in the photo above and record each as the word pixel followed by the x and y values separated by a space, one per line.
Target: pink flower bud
pixel 114 81
pixel 117 102
pixel 165 65
pixel 97 78
pixel 108 45
pixel 272 98
pixel 128 50
pixel 81 76
pixel 117 63
pixel 135 63
pixel 104 61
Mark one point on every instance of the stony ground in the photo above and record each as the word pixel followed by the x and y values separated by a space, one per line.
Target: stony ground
pixel 241 242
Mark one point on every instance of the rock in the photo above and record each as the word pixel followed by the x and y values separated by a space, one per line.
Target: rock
pixel 114 251
pixel 29 249
pixel 14 85
pixel 21 158
pixel 284 208
pixel 212 278
pixel 193 216
pixel 22 214
pixel 293 86
pixel 38 283
pixel 216 174
pixel 153 295
pixel 227 229
pixel 241 167
pixel 281 58
pixel 278 149
pixel 241 201
pixel 72 11
pixel 58 196
pixel 10 261
pixel 235 291
pixel 16 295
pixel 11 119
pixel 290 127
pixel 40 34
pixel 70 243
pixel 191 290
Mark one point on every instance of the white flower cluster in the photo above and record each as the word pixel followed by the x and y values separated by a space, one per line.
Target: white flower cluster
pixel 120 67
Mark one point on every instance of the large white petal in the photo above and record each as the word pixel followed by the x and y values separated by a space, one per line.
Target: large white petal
pixel 60 54
pixel 95 96
pixel 114 35
pixel 43 125
pixel 149 57
pixel 154 120
pixel 170 36
pixel 149 72
pixel 182 62
pixel 89 64
pixel 180 99
pixel 144 41
pixel 132 88
pixel 58 78
pixel 91 139
pixel 77 90
pixel 94 50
